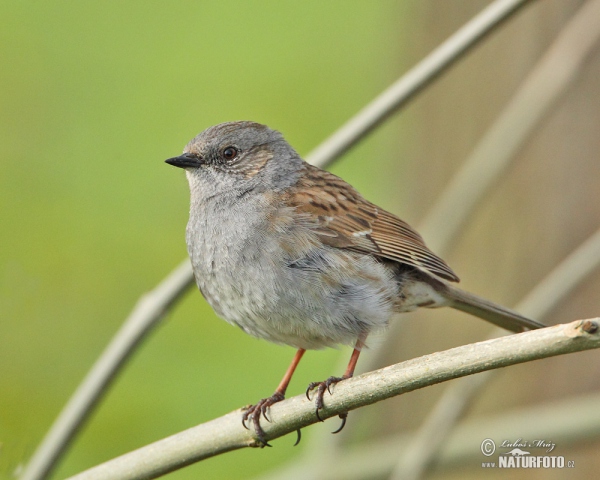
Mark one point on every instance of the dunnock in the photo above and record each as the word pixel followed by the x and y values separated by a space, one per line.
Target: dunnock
pixel 295 255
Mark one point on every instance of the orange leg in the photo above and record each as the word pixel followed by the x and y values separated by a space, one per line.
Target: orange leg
pixel 255 411
pixel 354 357
pixel 285 381
pixel 322 386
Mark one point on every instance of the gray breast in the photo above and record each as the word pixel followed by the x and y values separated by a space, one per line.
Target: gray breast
pixel 281 283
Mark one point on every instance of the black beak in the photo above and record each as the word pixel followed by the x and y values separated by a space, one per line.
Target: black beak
pixel 187 160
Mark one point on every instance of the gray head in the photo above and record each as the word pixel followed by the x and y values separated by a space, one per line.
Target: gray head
pixel 235 156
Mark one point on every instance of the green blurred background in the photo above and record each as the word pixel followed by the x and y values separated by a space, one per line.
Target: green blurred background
pixel 93 97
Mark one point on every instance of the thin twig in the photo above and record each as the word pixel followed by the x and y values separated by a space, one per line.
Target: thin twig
pixel 420 76
pixel 226 433
pixel 90 391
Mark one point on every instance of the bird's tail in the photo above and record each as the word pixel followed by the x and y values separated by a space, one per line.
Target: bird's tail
pixel 482 308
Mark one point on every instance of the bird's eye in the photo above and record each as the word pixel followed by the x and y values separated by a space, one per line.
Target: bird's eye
pixel 230 153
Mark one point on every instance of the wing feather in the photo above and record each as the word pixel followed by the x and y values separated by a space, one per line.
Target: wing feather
pixel 346 220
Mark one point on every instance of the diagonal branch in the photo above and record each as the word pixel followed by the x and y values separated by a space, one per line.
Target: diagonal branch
pixel 419 77
pixel 226 433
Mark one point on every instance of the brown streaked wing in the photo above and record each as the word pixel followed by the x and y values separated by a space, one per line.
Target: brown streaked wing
pixel 347 220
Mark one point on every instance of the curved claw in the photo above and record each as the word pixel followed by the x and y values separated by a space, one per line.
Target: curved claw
pixel 311 386
pixel 329 382
pixel 299 433
pixel 318 416
pixel 344 417
pixel 254 412
pixel 263 410
pixel 321 387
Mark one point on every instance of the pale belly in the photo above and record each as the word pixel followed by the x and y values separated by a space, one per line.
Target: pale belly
pixel 310 297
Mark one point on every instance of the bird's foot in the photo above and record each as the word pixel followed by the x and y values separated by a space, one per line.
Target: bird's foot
pixel 254 412
pixel 320 388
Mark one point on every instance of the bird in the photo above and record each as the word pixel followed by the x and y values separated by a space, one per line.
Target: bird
pixel 293 254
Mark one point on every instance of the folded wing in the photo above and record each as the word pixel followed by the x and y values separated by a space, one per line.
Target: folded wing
pixel 346 220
